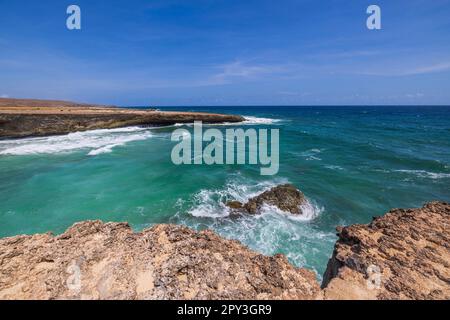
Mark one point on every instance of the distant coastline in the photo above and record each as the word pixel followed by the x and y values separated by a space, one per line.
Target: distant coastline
pixel 21 118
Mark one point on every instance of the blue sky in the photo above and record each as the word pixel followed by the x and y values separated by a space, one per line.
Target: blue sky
pixel 226 52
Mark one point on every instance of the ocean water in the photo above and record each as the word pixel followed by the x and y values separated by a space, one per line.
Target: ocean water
pixel 352 163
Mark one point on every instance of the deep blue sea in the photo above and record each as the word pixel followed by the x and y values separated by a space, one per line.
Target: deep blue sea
pixel 352 163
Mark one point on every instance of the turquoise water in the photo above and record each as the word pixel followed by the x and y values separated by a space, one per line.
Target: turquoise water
pixel 352 163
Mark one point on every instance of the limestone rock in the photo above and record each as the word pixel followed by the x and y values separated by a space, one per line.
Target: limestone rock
pixel 94 260
pixel 404 254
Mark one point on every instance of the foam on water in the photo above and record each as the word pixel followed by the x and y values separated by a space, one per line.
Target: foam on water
pixel 273 231
pixel 332 167
pixel 257 120
pixel 212 203
pixel 248 121
pixel 425 174
pixel 181 125
pixel 309 210
pixel 96 141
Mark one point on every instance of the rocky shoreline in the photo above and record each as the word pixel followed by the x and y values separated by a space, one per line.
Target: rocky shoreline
pixel 404 254
pixel 25 118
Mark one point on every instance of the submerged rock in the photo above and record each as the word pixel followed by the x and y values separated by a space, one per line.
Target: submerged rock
pixel 404 254
pixel 94 260
pixel 236 205
pixel 286 197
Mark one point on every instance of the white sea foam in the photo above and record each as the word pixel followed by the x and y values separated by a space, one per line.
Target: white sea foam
pixel 257 120
pixel 309 210
pixel 425 174
pixel 248 120
pixel 273 231
pixel 331 167
pixel 310 152
pixel 212 203
pixel 181 125
pixel 95 141
pixel 309 155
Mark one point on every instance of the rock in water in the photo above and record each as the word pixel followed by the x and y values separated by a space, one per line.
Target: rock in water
pixel 286 197
pixel 236 205
pixel 404 254
pixel 94 260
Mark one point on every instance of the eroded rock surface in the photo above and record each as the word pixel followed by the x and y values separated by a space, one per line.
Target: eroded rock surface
pixel 404 254
pixel 93 260
pixel 286 197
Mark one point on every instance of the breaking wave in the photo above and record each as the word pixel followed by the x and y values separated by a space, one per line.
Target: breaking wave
pixel 271 232
pixel 212 203
pixel 257 120
pixel 95 141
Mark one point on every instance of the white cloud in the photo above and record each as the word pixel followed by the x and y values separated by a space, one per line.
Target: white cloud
pixel 410 71
pixel 240 70
pixel 430 69
pixel 4 96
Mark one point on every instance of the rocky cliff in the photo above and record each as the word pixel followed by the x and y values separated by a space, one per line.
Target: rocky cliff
pixel 402 255
pixel 93 260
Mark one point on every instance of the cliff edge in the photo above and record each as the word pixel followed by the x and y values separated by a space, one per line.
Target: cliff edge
pixel 93 260
pixel 404 254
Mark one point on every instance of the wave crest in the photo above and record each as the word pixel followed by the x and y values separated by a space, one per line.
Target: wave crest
pixel 257 120
pixel 212 203
pixel 97 141
pixel 273 231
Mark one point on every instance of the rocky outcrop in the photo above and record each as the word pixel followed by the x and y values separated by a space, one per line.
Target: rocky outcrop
pixel 22 118
pixel 93 260
pixel 404 254
pixel 286 197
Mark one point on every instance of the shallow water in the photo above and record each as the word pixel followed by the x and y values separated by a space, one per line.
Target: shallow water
pixel 352 163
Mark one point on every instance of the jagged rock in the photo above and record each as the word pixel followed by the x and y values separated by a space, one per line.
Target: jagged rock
pixel 286 197
pixel 404 254
pixel 94 260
